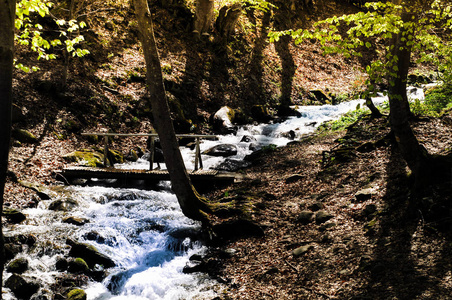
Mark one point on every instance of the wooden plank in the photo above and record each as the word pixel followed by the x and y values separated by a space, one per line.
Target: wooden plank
pixel 152 175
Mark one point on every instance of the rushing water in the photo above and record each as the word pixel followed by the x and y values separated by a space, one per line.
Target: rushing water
pixel 144 231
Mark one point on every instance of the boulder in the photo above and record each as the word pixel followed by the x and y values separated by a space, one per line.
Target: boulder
pixel 132 156
pixel 322 216
pixel 24 136
pixel 222 150
pixel 302 250
pixel 20 287
pixel 320 96
pixel 61 264
pixel 78 221
pixel 364 195
pixel 305 217
pixel 13 216
pixel 18 265
pixel 222 120
pixel 78 266
pixel 316 206
pixel 63 204
pixel 11 250
pixel 90 254
pixel 369 210
pixel 248 139
pixel 294 178
pixel 86 157
pixel 232 165
pixel 76 294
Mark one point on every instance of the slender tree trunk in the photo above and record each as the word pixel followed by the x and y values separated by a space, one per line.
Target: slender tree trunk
pixel 414 154
pixel 7 16
pixel 192 204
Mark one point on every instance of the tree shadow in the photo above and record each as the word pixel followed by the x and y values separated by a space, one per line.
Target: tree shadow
pixel 398 268
pixel 252 88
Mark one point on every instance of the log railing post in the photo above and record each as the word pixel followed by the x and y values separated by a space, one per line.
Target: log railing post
pixel 196 154
pixel 151 153
pixel 106 151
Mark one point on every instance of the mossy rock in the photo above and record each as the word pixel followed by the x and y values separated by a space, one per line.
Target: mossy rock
pixel 24 136
pixel 76 294
pixel 78 266
pixel 116 157
pixel 18 265
pixel 87 157
pixel 90 254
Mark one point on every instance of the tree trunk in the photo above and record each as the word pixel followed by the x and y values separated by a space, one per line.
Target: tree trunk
pixel 414 154
pixel 192 204
pixel 203 16
pixel 7 16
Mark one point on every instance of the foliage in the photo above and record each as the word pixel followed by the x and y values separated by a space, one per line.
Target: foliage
pixel 436 100
pixel 345 120
pixel 379 25
pixel 30 32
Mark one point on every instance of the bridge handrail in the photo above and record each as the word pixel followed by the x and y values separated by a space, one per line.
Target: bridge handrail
pixel 152 136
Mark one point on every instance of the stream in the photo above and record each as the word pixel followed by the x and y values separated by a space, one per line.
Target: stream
pixel 144 231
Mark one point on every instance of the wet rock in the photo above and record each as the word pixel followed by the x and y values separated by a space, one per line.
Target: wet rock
pixel 327 226
pixel 232 165
pixel 222 150
pixel 78 221
pixel 132 155
pixel 11 250
pixel 248 139
pixel 302 250
pixel 20 287
pixel 363 195
pixel 322 216
pixel 289 134
pixel 61 264
pixel 111 240
pixel 98 273
pixel 78 266
pixel 18 265
pixel 305 217
pixel 63 204
pixel 317 206
pixel 238 229
pixel 90 254
pixel 24 239
pixel 76 294
pixel 13 216
pixel 24 136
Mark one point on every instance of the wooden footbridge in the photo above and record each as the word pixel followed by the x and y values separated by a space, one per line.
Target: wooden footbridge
pixel 198 175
